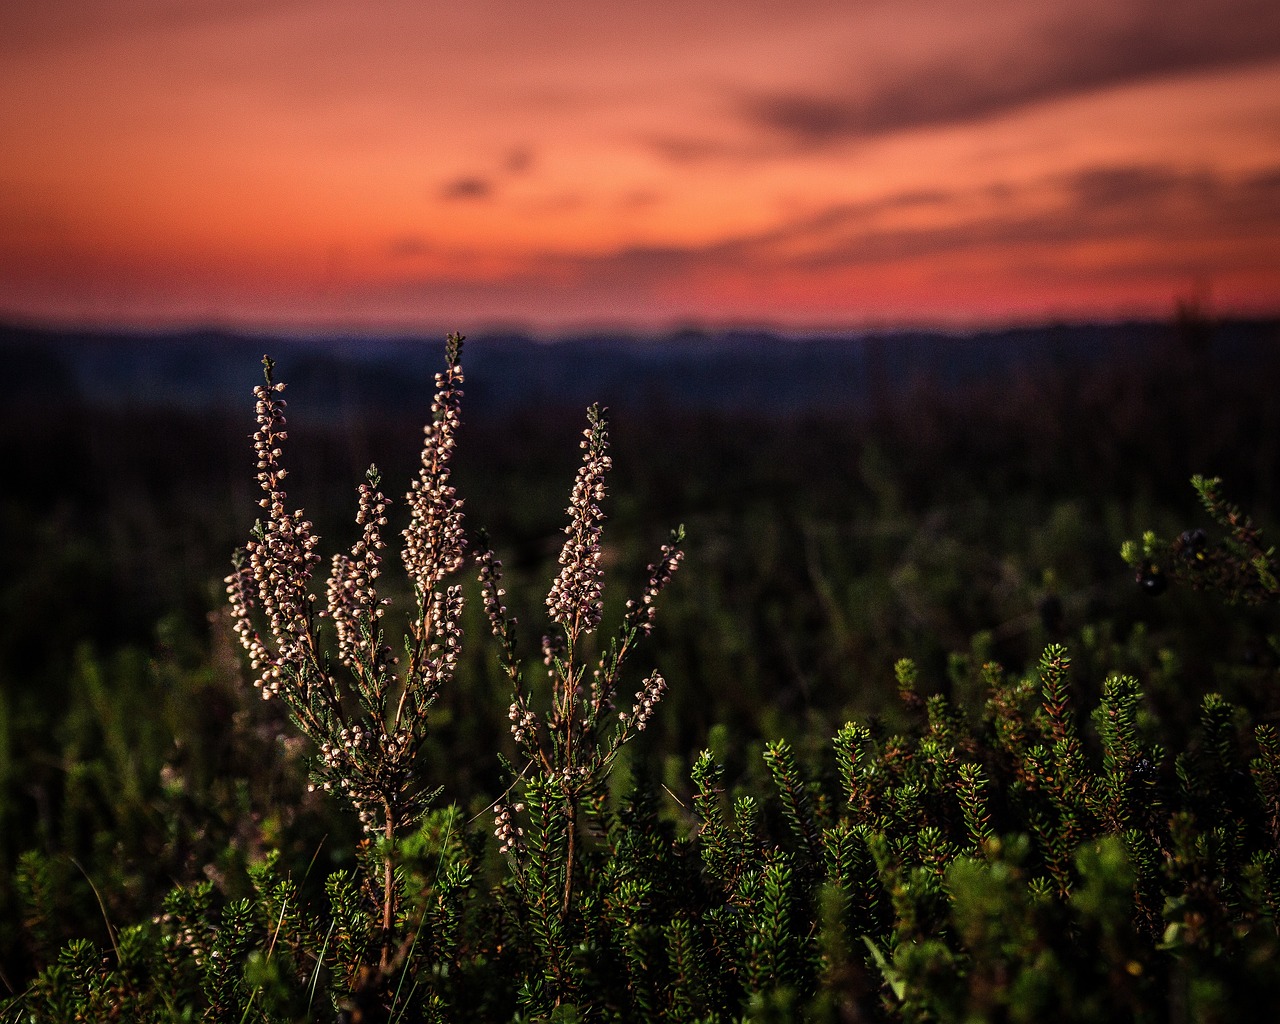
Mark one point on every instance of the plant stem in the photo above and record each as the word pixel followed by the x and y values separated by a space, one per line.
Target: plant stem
pixel 388 891
pixel 572 852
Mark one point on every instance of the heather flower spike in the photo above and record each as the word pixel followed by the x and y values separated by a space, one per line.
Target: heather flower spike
pixel 434 545
pixel 563 733
pixel 576 600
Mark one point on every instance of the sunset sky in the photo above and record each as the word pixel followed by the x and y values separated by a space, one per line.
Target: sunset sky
pixel 401 164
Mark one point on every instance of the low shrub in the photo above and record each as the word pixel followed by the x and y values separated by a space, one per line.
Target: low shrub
pixel 1006 850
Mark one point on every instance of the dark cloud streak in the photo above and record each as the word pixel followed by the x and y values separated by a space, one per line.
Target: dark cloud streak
pixel 1132 203
pixel 1095 47
pixel 469 188
pixel 1169 208
pixel 1175 224
pixel 518 161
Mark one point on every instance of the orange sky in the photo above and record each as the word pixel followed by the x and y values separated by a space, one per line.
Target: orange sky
pixel 401 164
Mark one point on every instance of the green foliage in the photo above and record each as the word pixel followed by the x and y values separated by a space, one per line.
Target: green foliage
pixel 1239 566
pixel 1005 844
pixel 1041 878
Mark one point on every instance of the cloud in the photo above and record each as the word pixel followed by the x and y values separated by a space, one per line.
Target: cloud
pixel 1134 197
pixel 518 160
pixel 1132 203
pixel 1142 206
pixel 467 188
pixel 1162 214
pixel 1266 180
pixel 1068 50
pixel 1145 228
pixel 1119 185
pixel 683 149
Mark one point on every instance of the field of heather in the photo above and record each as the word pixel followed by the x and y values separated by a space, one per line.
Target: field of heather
pixel 853 559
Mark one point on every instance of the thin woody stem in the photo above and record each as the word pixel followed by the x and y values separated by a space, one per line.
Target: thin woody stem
pixel 572 853
pixel 388 889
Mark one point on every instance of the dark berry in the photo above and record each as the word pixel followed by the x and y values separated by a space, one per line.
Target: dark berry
pixel 1152 580
pixel 1192 543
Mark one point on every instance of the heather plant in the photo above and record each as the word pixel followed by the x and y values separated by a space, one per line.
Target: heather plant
pixel 158 767
pixel 369 722
pixel 1006 845
pixel 1007 864
pixel 1239 566
pixel 369 728
pixel 565 721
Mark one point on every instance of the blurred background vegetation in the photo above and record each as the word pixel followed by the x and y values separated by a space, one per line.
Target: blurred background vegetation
pixel 949 521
